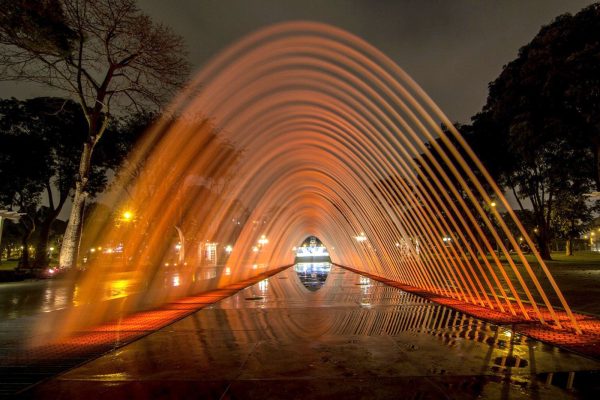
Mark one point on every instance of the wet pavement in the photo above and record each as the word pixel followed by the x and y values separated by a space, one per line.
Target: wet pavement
pixel 352 338
pixel 30 297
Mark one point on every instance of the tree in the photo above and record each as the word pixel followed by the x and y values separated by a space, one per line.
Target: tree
pixel 51 131
pixel 539 131
pixel 22 176
pixel 571 217
pixel 11 237
pixel 106 54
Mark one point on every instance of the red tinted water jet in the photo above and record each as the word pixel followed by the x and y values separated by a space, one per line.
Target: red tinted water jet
pixel 304 129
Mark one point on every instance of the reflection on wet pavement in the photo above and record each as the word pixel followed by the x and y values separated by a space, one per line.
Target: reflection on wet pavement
pixel 353 338
pixel 313 275
pixel 21 299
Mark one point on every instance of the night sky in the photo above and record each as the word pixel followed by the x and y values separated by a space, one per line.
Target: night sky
pixel 451 48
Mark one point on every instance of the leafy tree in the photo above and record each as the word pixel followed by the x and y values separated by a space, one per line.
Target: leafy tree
pixel 43 139
pixel 11 238
pixel 571 217
pixel 22 176
pixel 105 54
pixel 539 131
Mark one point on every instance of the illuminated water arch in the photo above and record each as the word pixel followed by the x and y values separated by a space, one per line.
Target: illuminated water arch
pixel 321 132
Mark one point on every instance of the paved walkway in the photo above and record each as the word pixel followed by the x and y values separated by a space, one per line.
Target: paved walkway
pixel 354 338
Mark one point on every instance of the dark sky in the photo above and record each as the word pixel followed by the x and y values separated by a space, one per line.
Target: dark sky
pixel 453 48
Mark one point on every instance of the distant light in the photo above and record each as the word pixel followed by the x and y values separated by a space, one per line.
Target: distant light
pixel 92 250
pixel 263 240
pixel 51 248
pixel 255 249
pixel 228 249
pixel 493 204
pixel 360 237
pixel 178 246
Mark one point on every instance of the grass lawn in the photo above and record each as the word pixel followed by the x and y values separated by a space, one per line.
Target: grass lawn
pixel 8 265
pixel 577 276
pixel 578 259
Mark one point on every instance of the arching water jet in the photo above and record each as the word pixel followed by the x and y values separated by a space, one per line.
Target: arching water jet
pixel 304 129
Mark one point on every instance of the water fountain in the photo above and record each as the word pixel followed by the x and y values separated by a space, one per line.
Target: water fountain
pixel 304 129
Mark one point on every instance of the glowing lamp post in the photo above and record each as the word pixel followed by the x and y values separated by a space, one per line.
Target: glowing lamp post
pixel 127 216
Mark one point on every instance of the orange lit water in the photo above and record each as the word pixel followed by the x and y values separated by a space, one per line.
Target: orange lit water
pixel 304 129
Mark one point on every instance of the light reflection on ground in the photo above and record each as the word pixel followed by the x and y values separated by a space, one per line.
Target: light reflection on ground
pixel 352 338
pixel 313 275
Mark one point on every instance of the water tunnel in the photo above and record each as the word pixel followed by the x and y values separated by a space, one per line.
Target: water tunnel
pixel 409 277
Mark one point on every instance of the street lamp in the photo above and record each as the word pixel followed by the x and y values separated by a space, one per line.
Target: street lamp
pixel 127 216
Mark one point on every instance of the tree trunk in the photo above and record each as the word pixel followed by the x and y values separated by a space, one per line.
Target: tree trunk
pixel 544 247
pixel 41 259
pixel 182 245
pixel 41 248
pixel 69 250
pixel 596 152
pixel 569 247
pixel 24 261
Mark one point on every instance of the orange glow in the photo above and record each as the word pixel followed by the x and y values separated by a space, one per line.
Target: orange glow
pixel 304 129
pixel 127 216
